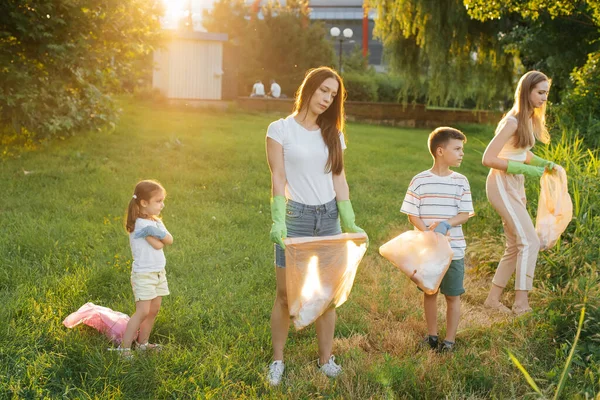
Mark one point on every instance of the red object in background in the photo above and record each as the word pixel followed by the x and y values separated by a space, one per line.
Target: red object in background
pixel 255 8
pixel 305 13
pixel 365 33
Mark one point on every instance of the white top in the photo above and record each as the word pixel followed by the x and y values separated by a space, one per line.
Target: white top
pixel 509 151
pixel 145 257
pixel 275 90
pixel 305 157
pixel 258 89
pixel 438 198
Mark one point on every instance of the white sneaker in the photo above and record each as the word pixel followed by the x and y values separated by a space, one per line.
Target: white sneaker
pixel 331 369
pixel 275 372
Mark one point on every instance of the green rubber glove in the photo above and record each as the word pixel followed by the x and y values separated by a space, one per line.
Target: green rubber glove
pixel 515 167
pixel 278 229
pixel 540 162
pixel 347 217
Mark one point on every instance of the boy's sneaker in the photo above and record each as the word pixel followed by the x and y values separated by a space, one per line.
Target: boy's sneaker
pixel 330 368
pixel 275 372
pixel 446 347
pixel 431 342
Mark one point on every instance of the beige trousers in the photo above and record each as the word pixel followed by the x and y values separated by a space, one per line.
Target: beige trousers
pixel 506 193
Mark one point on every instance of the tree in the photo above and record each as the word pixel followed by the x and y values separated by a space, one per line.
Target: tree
pixel 580 108
pixel 552 36
pixel 540 45
pixel 61 59
pixel 532 9
pixel 441 52
pixel 455 50
pixel 281 45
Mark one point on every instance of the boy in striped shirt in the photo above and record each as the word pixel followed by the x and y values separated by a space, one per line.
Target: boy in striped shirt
pixel 439 199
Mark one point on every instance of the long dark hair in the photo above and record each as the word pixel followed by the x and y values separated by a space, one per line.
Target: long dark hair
pixel 144 190
pixel 331 121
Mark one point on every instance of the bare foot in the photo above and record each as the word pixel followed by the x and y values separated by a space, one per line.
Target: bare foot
pixel 497 307
pixel 518 310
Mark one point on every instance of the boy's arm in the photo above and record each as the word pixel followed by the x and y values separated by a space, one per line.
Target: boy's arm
pixel 411 205
pixel 417 222
pixel 459 219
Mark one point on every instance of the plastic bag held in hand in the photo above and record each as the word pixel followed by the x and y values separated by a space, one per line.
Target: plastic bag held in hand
pixel 423 256
pixel 555 208
pixel 319 273
pixel 111 323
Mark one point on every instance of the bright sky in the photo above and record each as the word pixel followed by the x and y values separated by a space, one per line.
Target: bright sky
pixel 177 9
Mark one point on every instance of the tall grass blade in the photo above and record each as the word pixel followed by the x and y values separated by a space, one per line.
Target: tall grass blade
pixel 525 373
pixel 565 372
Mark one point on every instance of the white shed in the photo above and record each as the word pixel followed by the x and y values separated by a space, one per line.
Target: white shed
pixel 190 66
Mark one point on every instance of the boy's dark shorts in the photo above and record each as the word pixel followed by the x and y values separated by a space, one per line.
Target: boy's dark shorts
pixel 452 282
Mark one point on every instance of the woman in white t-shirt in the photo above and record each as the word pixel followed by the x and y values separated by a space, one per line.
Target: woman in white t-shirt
pixel 305 155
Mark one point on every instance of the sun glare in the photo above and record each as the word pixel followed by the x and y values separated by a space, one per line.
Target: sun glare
pixel 312 284
pixel 175 9
pixel 184 11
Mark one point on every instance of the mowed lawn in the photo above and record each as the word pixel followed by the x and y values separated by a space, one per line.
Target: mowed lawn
pixel 63 244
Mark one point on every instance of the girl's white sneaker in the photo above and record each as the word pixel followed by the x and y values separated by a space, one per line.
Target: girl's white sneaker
pixel 275 372
pixel 330 368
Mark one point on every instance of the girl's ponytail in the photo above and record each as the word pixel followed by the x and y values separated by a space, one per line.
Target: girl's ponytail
pixel 133 212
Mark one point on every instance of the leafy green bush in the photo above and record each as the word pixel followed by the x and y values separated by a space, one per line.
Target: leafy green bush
pixel 388 87
pixel 356 62
pixel 360 87
pixel 580 109
pixel 61 59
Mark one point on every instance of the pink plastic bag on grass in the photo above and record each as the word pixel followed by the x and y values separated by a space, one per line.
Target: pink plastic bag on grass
pixel 555 208
pixel 111 323
pixel 423 256
pixel 320 273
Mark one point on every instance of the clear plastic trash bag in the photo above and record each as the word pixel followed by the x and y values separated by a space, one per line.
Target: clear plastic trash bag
pixel 109 322
pixel 555 208
pixel 320 272
pixel 423 256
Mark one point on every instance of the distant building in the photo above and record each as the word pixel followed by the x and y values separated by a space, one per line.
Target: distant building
pixel 190 66
pixel 344 14
pixel 351 14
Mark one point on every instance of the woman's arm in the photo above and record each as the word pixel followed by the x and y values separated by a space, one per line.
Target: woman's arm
pixel 529 157
pixel 340 185
pixel 490 156
pixel 277 167
pixel 344 206
pixel 536 161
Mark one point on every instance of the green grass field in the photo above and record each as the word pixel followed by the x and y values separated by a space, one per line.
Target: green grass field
pixel 63 244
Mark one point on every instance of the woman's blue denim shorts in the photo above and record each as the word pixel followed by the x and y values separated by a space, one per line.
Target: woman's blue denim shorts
pixel 303 220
